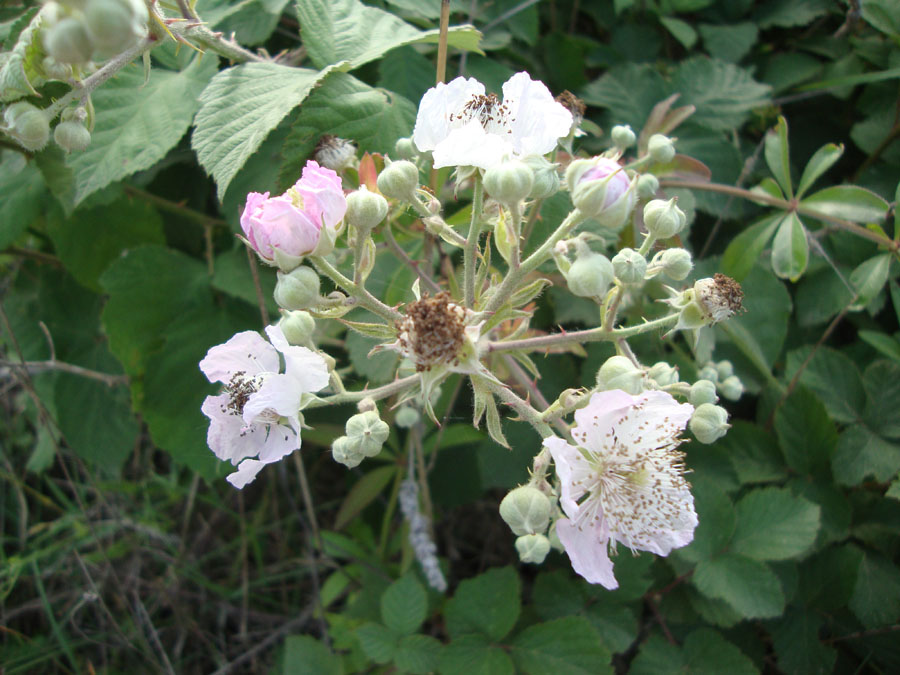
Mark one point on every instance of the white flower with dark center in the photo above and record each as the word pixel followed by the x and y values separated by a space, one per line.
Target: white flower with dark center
pixel 463 126
pixel 258 412
pixel 624 481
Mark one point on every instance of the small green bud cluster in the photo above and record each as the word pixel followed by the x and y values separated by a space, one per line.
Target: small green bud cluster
pixel 298 327
pixel 629 266
pixel 546 177
pixel 661 148
pixel 365 209
pixel 365 434
pixel 527 512
pixel 663 374
pixel 399 180
pixel 676 263
pixel 77 33
pixel 298 289
pixel 622 136
pixel 27 124
pixel 71 134
pixel 619 372
pixel 663 219
pixel 591 273
pixel 709 423
pixel 509 182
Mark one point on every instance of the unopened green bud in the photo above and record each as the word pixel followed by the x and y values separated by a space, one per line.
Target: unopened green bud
pixel 622 136
pixel 368 432
pixel 546 177
pixel 731 387
pixel 68 41
pixel 663 374
pixel 346 453
pixel 406 417
pixel 709 423
pixel 661 148
pixel 629 266
pixel 55 70
pixel 709 372
pixel 399 180
pixel 365 209
pixel 509 182
pixel 115 25
pixel 647 186
pixel 533 548
pixel 72 136
pixel 663 219
pixel 673 262
pixel 28 125
pixel 298 289
pixel 298 327
pixel 618 372
pixel 702 391
pixel 404 148
pixel 591 273
pixel 526 510
pixel 724 369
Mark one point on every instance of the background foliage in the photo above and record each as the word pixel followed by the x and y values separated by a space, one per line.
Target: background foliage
pixel 122 547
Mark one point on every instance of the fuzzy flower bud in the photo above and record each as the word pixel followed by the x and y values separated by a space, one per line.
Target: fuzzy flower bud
pixel 526 510
pixel 731 387
pixel 406 417
pixel 546 177
pixel 629 266
pixel 709 372
pixel 618 372
pixel 72 136
pixel 724 369
pixel 673 262
pixel 702 391
pixel 708 302
pixel 365 209
pixel 601 190
pixel 591 273
pixel 298 289
pixel 663 219
pixel 28 125
pixel 509 182
pixel 533 548
pixel 68 41
pixel 647 186
pixel 661 148
pixel 55 70
pixel 335 153
pixel 663 374
pixel 298 327
pixel 404 148
pixel 346 453
pixel 622 136
pixel 367 432
pixel 709 423
pixel 399 180
pixel 115 25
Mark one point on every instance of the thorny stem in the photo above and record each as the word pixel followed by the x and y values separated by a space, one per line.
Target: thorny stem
pixel 412 264
pixel 472 244
pixel 365 299
pixel 786 205
pixel 395 387
pixel 591 335
pixel 525 410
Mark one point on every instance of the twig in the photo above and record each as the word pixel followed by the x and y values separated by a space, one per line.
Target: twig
pixel 260 300
pixel 409 262
pixel 6 367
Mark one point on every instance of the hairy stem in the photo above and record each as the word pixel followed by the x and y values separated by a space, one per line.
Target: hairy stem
pixel 363 297
pixel 472 244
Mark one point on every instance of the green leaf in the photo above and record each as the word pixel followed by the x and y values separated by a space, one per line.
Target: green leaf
pixel 821 294
pixel 797 644
pixel 347 30
pixel 723 94
pixel 778 158
pixel 745 249
pixel 473 655
pixel 404 605
pixel 728 43
pixel 876 598
pixel 818 164
pixel 59 178
pixel 378 368
pixel 629 91
pixel 861 453
pixel 137 122
pixel 882 383
pixel 348 108
pixel 790 251
pixel 418 654
pixel 250 21
pixel 833 377
pixel 233 276
pixel 805 433
pixel 567 645
pixel 304 655
pixel 680 30
pixel 92 238
pixel 869 278
pixel 717 521
pixel 754 453
pixel 885 344
pixel 849 202
pixel 827 579
pixel 788 13
pixel 378 642
pixel 657 656
pixel 363 493
pixel 749 586
pixel 239 108
pixel 488 604
pixel 22 187
pixel 772 524
pixel 706 651
pixel 894 490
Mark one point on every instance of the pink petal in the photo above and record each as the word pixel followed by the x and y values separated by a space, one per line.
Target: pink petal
pixel 588 551
pixel 246 473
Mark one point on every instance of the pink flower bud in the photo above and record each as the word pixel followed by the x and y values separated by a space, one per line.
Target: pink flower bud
pixel 283 229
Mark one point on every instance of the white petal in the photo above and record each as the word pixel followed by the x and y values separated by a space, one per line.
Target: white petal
pixel 228 437
pixel 588 551
pixel 245 352
pixel 437 105
pixel 536 120
pixel 278 392
pixel 571 466
pixel 471 145
pixel 304 365
pixel 281 441
pixel 594 423
pixel 246 473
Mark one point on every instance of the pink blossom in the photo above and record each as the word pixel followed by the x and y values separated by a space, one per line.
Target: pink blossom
pixel 283 229
pixel 623 482
pixel 618 184
pixel 258 413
